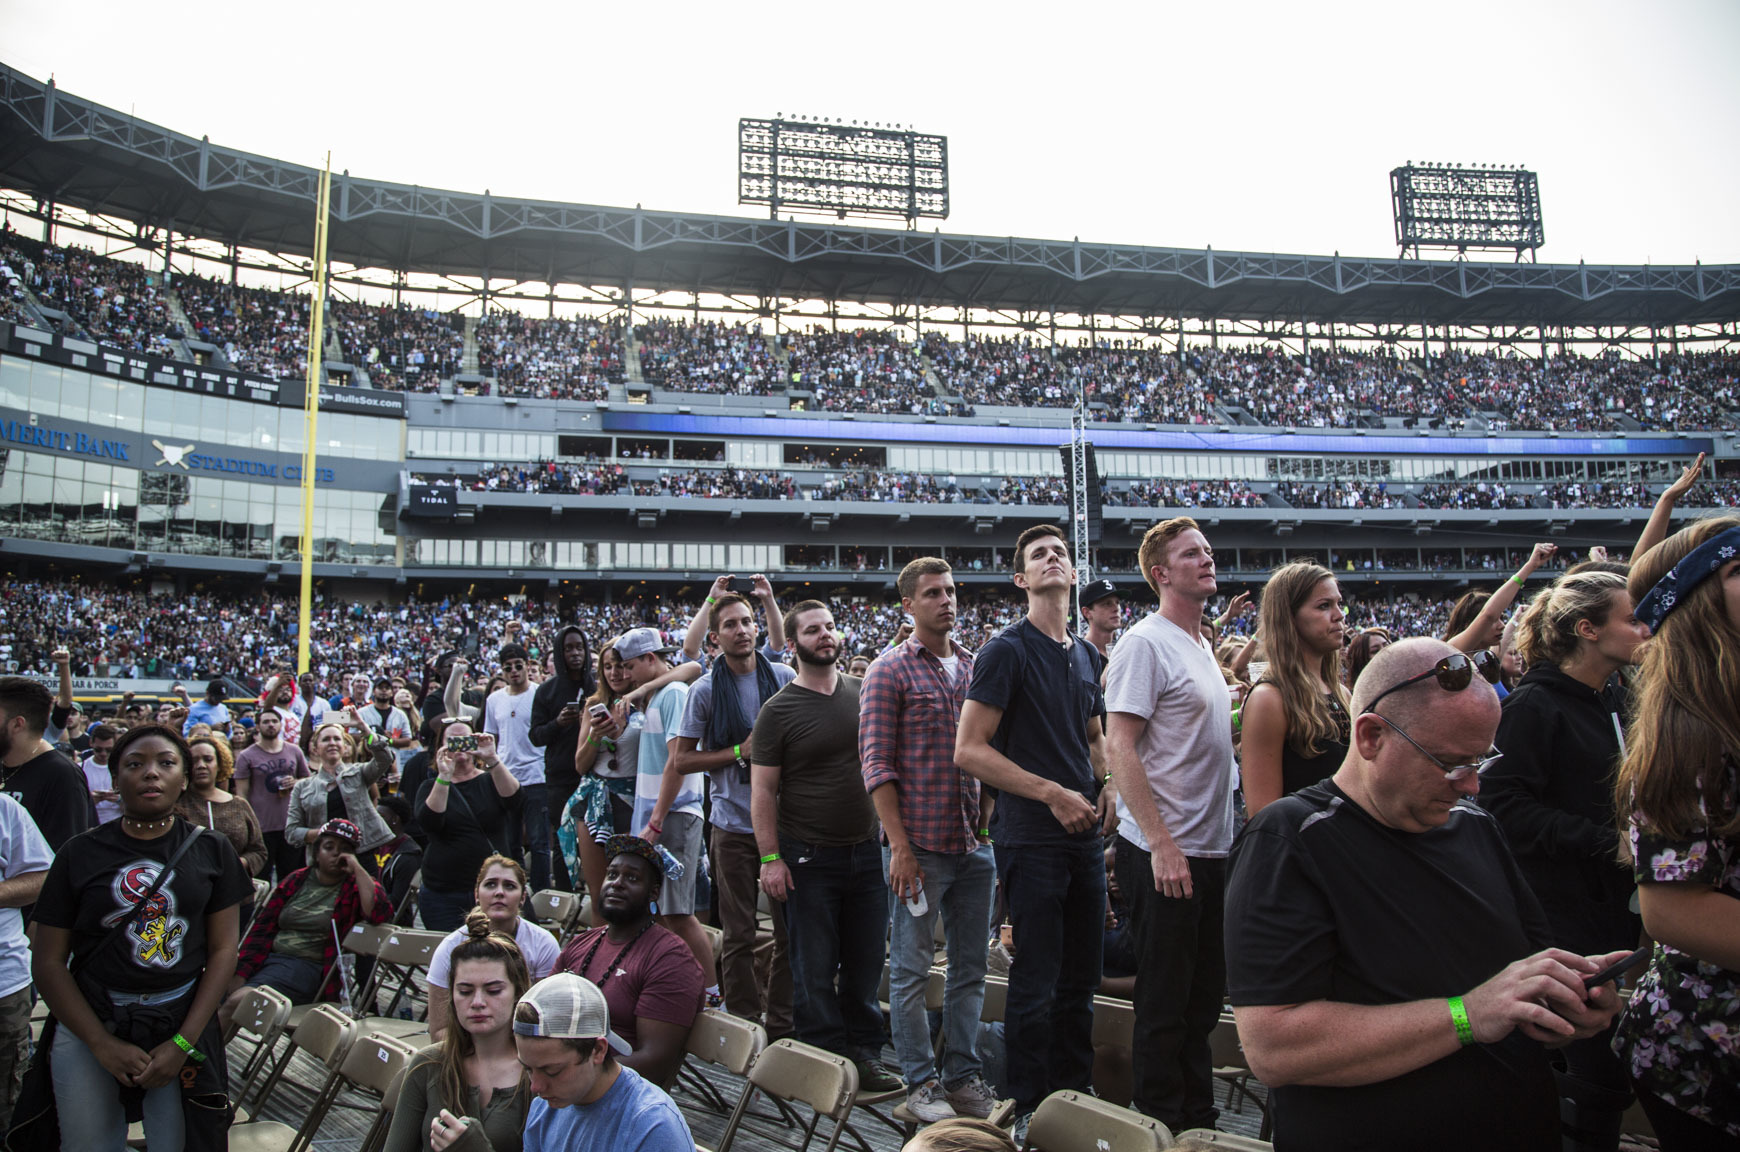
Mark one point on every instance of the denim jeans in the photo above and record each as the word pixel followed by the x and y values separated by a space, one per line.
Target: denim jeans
pixel 836 925
pixel 88 1100
pixel 533 835
pixel 444 911
pixel 958 887
pixel 1056 896
pixel 1180 986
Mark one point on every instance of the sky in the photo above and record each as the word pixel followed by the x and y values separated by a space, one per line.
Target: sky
pixel 1259 126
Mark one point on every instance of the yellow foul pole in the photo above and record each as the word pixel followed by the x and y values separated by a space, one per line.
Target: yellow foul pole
pixel 316 341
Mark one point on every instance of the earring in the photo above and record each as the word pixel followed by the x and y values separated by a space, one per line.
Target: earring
pixel 654 905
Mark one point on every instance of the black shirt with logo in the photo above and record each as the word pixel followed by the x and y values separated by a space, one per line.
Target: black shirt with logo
pixel 101 876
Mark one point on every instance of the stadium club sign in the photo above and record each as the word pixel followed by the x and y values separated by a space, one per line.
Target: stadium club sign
pixel 154 453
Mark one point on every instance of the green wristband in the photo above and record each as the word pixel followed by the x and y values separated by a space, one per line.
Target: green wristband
pixel 710 600
pixel 443 780
pixel 1459 1017
pixel 737 751
pixel 770 858
pixel 1517 580
pixel 193 1053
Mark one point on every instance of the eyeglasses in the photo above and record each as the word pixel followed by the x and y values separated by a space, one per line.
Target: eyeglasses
pixel 1453 673
pixel 1451 772
pixel 513 666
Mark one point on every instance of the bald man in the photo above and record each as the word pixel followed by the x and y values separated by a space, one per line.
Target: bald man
pixel 1391 973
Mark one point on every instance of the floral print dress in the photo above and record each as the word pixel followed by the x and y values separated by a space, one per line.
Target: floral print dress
pixel 1680 1036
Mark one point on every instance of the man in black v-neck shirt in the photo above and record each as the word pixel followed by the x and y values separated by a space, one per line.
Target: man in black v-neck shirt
pixel 1390 971
pixel 46 783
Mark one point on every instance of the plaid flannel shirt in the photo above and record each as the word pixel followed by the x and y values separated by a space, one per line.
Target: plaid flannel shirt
pixel 346 911
pixel 908 714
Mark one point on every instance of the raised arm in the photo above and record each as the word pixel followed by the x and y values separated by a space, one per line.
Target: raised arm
pixel 1662 515
pixel 698 624
pixel 1497 604
pixel 775 621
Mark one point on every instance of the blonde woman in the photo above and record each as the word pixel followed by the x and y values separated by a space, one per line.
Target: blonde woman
pixel 1294 722
pixel 341 788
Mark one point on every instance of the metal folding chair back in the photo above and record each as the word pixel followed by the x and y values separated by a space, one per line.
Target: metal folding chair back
pixel 260 1016
pixel 561 909
pixel 724 1041
pixel 791 1072
pixel 374 1066
pixel 1077 1122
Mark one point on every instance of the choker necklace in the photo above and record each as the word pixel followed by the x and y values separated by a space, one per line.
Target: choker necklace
pixel 147 825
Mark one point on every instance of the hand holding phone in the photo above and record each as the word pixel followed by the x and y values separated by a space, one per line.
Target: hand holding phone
pixel 462 744
pixel 742 584
pixel 1615 971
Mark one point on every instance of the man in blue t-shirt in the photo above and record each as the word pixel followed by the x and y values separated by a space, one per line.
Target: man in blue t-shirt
pixel 210 710
pixel 585 1097
pixel 1030 728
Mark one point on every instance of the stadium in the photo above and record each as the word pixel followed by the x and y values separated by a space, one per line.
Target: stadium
pixel 556 411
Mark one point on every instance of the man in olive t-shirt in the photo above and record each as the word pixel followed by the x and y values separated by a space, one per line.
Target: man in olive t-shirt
pixel 816 831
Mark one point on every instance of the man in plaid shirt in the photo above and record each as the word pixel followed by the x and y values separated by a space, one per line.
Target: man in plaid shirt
pixel 937 850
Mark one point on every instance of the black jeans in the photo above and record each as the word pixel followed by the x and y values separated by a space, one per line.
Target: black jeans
pixel 281 857
pixel 1180 987
pixel 1056 897
pixel 836 926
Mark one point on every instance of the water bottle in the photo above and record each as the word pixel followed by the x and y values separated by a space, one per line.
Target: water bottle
pixel 673 866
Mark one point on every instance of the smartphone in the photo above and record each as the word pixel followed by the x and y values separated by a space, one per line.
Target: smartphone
pixel 1590 983
pixel 462 744
pixel 599 713
pixel 744 584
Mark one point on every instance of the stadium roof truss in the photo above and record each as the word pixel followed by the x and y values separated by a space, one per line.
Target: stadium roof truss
pixel 64 150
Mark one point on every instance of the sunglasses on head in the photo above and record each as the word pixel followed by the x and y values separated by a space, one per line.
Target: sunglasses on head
pixel 1453 673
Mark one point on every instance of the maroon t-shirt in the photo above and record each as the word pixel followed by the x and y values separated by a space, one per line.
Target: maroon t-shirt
pixel 655 976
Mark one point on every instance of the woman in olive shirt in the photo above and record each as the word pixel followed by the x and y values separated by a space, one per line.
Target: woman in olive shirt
pixel 469 1092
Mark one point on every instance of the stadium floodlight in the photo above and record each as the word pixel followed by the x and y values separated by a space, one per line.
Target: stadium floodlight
pixel 1463 207
pixel 841 169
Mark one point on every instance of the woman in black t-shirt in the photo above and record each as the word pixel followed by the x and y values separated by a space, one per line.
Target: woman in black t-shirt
pixel 1294 725
pixel 466 810
pixel 135 1006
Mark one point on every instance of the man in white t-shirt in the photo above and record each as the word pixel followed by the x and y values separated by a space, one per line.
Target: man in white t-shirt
pixel 99 781
pixel 24 861
pixel 507 715
pixel 1169 728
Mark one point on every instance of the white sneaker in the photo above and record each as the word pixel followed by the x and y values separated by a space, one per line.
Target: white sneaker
pixel 1019 1132
pixel 928 1103
pixel 972 1097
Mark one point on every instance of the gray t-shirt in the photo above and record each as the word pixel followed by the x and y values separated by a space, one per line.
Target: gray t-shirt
pixel 730 794
pixel 1170 678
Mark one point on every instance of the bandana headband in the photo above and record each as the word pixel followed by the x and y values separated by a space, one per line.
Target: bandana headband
pixel 1699 564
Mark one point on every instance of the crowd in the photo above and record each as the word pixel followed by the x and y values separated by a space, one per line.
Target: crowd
pixel 863 370
pixel 684 762
pixel 115 301
pixel 405 349
pixel 1337 494
pixel 554 358
pixel 882 371
pixel 706 356
pixel 1187 494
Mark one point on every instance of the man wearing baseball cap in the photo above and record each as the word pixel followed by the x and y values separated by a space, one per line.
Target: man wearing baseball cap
pixel 585 1097
pixel 1103 613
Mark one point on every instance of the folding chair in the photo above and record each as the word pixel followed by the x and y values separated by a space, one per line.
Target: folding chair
pixel 326 1034
pixel 261 1016
pixel 371 1065
pixel 559 910
pixel 790 1072
pixel 399 956
pixel 1071 1121
pixel 1114 1036
pixel 724 1041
